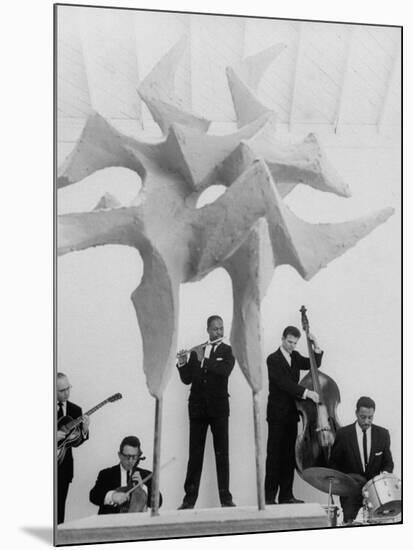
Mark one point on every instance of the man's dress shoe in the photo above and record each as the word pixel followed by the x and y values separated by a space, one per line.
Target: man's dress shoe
pixel 291 500
pixel 186 506
pixel 228 504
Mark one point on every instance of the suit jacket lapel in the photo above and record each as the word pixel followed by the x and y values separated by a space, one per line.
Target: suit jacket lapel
pixel 285 364
pixel 200 351
pixel 294 370
pixel 355 447
pixel 216 347
pixel 118 475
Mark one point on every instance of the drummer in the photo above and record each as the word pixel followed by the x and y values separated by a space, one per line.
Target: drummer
pixel 362 450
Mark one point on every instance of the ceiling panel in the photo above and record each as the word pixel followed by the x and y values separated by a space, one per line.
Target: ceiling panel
pixel 72 88
pixel 216 42
pixel 337 75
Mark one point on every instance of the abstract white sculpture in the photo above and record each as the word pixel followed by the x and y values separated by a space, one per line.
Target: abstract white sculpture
pixel 248 230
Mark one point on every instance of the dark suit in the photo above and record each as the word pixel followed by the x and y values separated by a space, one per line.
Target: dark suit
pixel 109 480
pixel 65 468
pixel 282 418
pixel 345 457
pixel 208 405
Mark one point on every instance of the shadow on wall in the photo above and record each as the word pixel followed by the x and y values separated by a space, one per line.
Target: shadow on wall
pixel 42 533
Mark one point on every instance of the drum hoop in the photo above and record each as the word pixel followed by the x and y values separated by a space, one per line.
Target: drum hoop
pixel 374 480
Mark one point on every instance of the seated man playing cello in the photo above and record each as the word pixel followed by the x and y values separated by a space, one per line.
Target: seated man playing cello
pixel 124 487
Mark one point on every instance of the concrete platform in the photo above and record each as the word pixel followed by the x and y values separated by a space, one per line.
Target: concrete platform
pixel 191 523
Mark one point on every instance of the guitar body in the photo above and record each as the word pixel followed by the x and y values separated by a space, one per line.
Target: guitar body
pixel 73 437
pixel 72 428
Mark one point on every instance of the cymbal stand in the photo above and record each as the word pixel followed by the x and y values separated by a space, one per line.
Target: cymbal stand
pixel 330 502
pixel 366 511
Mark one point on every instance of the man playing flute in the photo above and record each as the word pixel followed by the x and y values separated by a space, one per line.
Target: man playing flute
pixel 207 368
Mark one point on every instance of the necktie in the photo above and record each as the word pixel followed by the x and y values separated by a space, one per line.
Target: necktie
pixel 207 354
pixel 365 449
pixel 128 476
pixel 60 411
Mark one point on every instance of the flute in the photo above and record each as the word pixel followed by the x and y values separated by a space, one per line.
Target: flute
pixel 184 352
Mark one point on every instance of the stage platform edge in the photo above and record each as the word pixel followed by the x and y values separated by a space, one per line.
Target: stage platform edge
pixel 191 523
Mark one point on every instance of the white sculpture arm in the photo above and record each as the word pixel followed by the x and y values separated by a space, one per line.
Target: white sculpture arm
pixel 87 229
pixel 307 247
pixel 156 303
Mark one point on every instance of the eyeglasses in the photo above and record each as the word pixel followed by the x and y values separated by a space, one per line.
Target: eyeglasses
pixel 130 457
pixel 64 389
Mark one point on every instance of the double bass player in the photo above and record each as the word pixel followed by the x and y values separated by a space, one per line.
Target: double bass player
pixel 284 367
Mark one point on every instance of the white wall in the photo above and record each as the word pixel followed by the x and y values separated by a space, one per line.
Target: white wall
pixel 353 308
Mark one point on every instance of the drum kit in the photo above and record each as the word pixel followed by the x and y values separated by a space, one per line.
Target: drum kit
pixel 381 494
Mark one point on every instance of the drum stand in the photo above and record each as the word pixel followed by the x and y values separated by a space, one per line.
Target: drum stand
pixel 365 513
pixel 331 508
pixel 332 482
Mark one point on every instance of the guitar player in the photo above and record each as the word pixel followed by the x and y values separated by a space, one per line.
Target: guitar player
pixel 65 468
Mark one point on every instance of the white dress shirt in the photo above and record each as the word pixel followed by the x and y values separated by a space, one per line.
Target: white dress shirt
pixel 286 355
pixel 208 350
pixel 288 359
pixel 359 433
pixel 123 482
pixel 64 407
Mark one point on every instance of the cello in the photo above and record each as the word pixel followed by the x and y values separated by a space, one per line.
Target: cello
pixel 137 495
pixel 313 445
pixel 137 501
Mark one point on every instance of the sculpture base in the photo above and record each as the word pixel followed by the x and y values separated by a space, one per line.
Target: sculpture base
pixel 191 523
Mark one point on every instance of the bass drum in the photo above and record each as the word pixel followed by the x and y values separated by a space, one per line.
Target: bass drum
pixel 383 496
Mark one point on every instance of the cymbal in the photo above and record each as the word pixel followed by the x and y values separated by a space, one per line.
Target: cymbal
pixel 341 484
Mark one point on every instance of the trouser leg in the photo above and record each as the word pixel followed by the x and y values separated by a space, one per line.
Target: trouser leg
pixel 219 428
pixel 272 463
pixel 287 461
pixel 62 490
pixel 351 505
pixel 197 435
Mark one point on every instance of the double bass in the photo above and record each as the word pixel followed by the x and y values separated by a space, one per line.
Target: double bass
pixel 313 445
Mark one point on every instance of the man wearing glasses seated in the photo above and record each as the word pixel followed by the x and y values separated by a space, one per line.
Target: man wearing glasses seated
pixel 119 486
